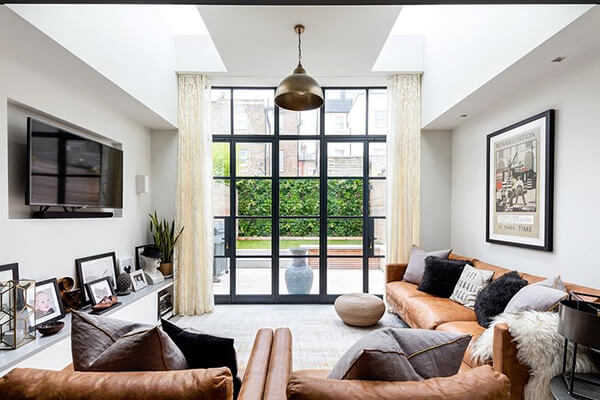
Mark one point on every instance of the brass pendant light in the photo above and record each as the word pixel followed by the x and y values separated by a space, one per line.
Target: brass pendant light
pixel 299 91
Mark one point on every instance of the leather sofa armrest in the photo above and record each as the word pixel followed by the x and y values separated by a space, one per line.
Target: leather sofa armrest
pixel 189 384
pixel 280 365
pixel 506 362
pixel 395 272
pixel 481 383
pixel 253 384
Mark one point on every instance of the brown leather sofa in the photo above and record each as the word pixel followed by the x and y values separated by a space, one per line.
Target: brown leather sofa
pixel 193 384
pixel 482 383
pixel 424 311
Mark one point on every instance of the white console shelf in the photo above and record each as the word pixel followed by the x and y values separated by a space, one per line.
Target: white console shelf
pixel 54 352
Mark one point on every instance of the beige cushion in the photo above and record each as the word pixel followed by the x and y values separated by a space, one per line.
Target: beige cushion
pixel 359 309
pixel 471 282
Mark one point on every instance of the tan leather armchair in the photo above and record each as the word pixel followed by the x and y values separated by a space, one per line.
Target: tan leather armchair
pixel 193 384
pixel 482 383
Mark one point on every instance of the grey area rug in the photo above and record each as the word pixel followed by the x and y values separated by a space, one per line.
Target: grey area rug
pixel 319 336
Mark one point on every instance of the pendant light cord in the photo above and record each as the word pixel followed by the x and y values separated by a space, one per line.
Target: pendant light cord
pixel 299 48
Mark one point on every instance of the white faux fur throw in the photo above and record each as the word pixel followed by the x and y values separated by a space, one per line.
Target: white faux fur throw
pixel 539 346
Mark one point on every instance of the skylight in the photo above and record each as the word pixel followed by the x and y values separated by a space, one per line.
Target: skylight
pixel 183 20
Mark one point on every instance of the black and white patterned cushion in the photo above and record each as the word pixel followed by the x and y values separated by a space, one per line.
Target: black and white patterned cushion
pixel 471 282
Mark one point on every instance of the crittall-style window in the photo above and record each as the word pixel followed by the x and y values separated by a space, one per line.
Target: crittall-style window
pixel 299 197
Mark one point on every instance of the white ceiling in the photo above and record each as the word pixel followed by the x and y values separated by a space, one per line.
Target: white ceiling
pixel 260 41
pixel 578 42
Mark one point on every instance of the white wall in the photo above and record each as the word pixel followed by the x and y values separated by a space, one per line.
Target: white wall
pixel 163 179
pixel 457 61
pixel 44 76
pixel 575 96
pixel 436 176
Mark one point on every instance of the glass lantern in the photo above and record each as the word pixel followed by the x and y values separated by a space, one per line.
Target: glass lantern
pixel 17 313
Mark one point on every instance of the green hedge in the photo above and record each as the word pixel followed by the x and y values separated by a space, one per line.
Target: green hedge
pixel 299 197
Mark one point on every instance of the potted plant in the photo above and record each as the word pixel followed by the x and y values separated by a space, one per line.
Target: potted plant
pixel 165 237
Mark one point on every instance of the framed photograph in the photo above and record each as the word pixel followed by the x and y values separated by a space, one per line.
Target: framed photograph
pixel 9 272
pixel 138 251
pixel 95 267
pixel 520 183
pixel 48 306
pixel 138 280
pixel 99 289
pixel 126 265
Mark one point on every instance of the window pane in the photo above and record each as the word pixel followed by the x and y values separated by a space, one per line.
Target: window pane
pixel 220 111
pixel 221 197
pixel 377 197
pixel 344 197
pixel 376 275
pixel 299 158
pixel 344 159
pixel 219 236
pixel 253 197
pixel 298 122
pixel 253 276
pixel 345 112
pixel 299 275
pixel 344 275
pixel 344 236
pixel 253 111
pixel 301 234
pixel 220 156
pixel 253 159
pixel 299 197
pixel 377 159
pixel 378 112
pixel 221 275
pixel 379 236
pixel 253 236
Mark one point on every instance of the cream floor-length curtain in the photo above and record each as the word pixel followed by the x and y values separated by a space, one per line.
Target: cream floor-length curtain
pixel 194 252
pixel 403 166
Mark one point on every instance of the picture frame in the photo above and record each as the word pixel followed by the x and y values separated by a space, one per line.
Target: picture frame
pixel 9 272
pixel 126 262
pixel 48 304
pixel 138 251
pixel 520 183
pixel 99 289
pixel 95 267
pixel 138 280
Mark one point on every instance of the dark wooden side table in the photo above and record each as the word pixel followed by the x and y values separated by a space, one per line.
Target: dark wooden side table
pixel 560 392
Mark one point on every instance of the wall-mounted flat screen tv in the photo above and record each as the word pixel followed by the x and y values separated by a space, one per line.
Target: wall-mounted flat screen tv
pixel 69 170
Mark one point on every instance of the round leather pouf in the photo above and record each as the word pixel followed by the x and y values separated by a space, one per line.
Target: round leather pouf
pixel 359 309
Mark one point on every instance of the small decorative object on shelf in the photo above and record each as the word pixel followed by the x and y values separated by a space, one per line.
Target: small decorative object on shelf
pixel 124 283
pixel 17 313
pixel 71 298
pixel 50 328
pixel 150 260
pixel 102 295
pixel 165 237
pixel 579 323
pixel 48 305
pixel 138 280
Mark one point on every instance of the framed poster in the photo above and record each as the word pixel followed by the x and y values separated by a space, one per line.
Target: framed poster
pixel 520 183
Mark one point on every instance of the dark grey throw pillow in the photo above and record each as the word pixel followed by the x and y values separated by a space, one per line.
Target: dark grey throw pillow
pixel 440 276
pixel 494 298
pixel 107 344
pixel 400 354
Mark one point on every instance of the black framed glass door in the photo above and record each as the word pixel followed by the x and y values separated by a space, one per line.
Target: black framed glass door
pixel 299 198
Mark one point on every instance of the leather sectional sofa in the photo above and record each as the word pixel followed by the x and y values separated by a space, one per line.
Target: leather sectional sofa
pixel 424 311
pixel 192 384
